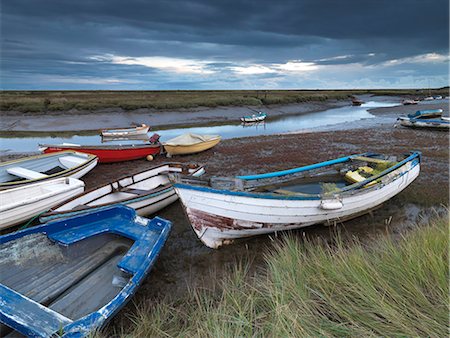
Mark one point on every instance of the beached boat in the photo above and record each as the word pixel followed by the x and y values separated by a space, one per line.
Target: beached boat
pixel 38 168
pixel 122 132
pixel 254 118
pixel 20 204
pixel 108 153
pixel 356 102
pixel 438 123
pixel 409 102
pixel 424 114
pixel 428 98
pixel 68 278
pixel 190 144
pixel 147 192
pixel 223 209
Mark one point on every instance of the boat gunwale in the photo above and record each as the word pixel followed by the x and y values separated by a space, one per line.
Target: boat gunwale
pixel 159 190
pixel 118 147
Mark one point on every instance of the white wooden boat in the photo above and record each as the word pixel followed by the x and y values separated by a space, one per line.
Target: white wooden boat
pixel 39 168
pixel 190 144
pixel 441 123
pixel 18 205
pixel 221 210
pixel 146 192
pixel 254 118
pixel 122 132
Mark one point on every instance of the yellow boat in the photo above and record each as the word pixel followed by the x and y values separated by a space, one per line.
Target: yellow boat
pixel 190 144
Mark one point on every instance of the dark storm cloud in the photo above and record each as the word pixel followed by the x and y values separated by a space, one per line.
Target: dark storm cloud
pixel 51 37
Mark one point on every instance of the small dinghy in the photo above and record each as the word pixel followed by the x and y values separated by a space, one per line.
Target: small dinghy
pixel 147 192
pixel 108 153
pixel 39 168
pixel 223 209
pixel 425 114
pixel 190 144
pixel 22 203
pixel 440 124
pixel 409 102
pixel 254 118
pixel 68 278
pixel 123 132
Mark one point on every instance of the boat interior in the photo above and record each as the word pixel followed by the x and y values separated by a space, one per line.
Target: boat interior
pixel 318 181
pixel 39 167
pixel 72 280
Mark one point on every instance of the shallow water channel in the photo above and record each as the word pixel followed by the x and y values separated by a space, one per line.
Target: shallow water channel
pixel 292 123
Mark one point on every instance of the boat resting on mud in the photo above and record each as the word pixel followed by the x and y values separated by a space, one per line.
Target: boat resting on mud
pixel 19 204
pixel 223 209
pixel 108 153
pixel 123 132
pixel 443 123
pixel 190 144
pixel 427 113
pixel 147 192
pixel 254 118
pixel 68 278
pixel 33 169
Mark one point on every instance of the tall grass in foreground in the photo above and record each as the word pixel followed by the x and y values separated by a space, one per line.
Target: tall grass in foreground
pixel 395 287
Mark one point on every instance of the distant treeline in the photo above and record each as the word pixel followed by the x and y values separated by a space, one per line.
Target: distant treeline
pixel 43 101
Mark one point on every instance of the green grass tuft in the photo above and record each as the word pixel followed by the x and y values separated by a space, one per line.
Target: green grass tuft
pixel 395 287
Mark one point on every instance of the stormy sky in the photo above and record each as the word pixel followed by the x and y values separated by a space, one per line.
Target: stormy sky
pixel 212 44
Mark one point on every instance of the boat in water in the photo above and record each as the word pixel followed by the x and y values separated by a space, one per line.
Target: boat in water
pixel 221 210
pixel 147 192
pixel 70 277
pixel 108 153
pixel 254 118
pixel 123 132
pixel 19 204
pixel 33 169
pixel 190 144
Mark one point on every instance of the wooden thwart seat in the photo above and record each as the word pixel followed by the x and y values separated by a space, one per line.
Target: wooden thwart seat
pixel 25 173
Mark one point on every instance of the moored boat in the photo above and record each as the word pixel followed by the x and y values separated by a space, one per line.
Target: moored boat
pixel 356 102
pixel 409 102
pixel 223 209
pixel 19 204
pixel 254 117
pixel 122 132
pixel 108 153
pixel 147 192
pixel 68 278
pixel 39 168
pixel 190 144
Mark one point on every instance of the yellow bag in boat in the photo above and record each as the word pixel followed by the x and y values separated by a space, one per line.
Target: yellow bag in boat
pixel 357 175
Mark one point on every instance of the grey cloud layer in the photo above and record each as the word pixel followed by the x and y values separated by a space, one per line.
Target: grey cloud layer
pixel 51 37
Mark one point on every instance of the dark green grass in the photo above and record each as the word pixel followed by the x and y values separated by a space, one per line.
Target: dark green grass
pixel 47 101
pixel 395 287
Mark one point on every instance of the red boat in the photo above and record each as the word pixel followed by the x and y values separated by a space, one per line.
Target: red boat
pixel 108 153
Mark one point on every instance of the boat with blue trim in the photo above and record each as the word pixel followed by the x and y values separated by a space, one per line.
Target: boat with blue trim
pixel 147 192
pixel 68 278
pixel 221 210
pixel 427 113
pixel 260 116
pixel 431 118
pixel 33 169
